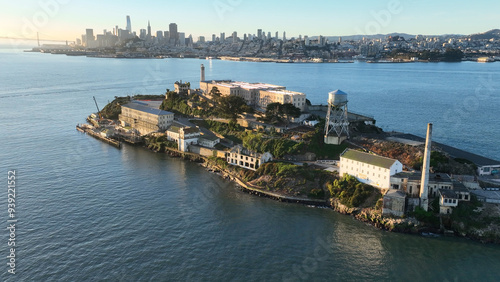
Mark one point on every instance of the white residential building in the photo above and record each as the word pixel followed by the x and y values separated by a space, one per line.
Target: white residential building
pixel 244 158
pixel 370 169
pixel 144 118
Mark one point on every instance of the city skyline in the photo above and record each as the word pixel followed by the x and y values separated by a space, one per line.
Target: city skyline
pixel 67 20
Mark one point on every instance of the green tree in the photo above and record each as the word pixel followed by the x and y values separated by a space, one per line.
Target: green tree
pixel 215 93
pixel 232 106
pixel 290 111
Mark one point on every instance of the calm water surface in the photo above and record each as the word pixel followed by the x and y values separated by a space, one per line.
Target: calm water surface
pixel 90 212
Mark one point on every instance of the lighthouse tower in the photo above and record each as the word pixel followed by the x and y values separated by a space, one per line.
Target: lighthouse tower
pixel 337 123
pixel 202 75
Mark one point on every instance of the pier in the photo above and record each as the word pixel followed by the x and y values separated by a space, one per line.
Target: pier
pixel 97 135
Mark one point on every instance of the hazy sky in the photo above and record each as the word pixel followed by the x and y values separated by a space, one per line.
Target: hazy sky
pixel 68 19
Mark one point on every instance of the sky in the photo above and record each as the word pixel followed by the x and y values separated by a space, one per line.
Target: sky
pixel 68 19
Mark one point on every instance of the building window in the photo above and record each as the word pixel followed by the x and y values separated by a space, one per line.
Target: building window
pixel 466 197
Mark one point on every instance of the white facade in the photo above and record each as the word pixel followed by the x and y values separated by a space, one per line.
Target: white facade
pixel 369 169
pixel 256 94
pixel 488 169
pixel 447 201
pixel 241 157
pixel 208 142
pixel 184 136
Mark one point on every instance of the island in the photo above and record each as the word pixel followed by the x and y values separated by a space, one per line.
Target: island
pixel 273 142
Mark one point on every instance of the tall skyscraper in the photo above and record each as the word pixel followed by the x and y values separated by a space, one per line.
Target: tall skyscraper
pixel 143 33
pixel 174 36
pixel 159 36
pixel 269 35
pixel 149 30
pixel 182 38
pixel 259 33
pixel 222 36
pixel 213 37
pixel 129 25
pixel 277 36
pixel 284 35
pixel 89 37
pixel 235 37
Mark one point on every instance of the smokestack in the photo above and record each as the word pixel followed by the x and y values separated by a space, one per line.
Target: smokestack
pixel 202 78
pixel 424 182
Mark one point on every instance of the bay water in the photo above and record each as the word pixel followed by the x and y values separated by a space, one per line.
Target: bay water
pixel 89 212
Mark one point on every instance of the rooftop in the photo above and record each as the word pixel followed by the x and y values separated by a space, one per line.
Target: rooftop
pixel 209 137
pixel 392 193
pixel 438 177
pixel 143 107
pixel 368 158
pixel 450 194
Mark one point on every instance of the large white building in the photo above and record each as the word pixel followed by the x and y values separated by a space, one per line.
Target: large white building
pixel 370 169
pixel 144 118
pixel 257 95
pixel 244 158
pixel 184 136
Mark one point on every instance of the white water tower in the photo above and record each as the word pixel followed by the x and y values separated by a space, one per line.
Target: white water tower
pixel 337 123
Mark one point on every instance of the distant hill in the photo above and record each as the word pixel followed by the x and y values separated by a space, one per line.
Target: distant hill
pixel 373 36
pixel 492 34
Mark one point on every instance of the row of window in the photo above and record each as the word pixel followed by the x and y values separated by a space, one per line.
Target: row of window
pixel 451 201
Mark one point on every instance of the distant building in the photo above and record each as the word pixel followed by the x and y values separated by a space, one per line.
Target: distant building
pixel 174 36
pixel 258 95
pixel 144 118
pixel 142 34
pixel 159 36
pixel 369 169
pixel 244 158
pixel 89 38
pixel 149 30
pixel 129 25
pixel 182 38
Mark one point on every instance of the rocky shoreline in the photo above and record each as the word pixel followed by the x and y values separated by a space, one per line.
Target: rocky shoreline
pixel 407 225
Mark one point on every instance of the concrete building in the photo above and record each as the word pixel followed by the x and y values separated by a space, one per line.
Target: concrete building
pixel 208 141
pixel 257 95
pixel 410 183
pixel 369 169
pixel 447 201
pixel 244 158
pixel 492 169
pixel 394 203
pixel 182 88
pixel 184 136
pixel 144 118
pixel 174 36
